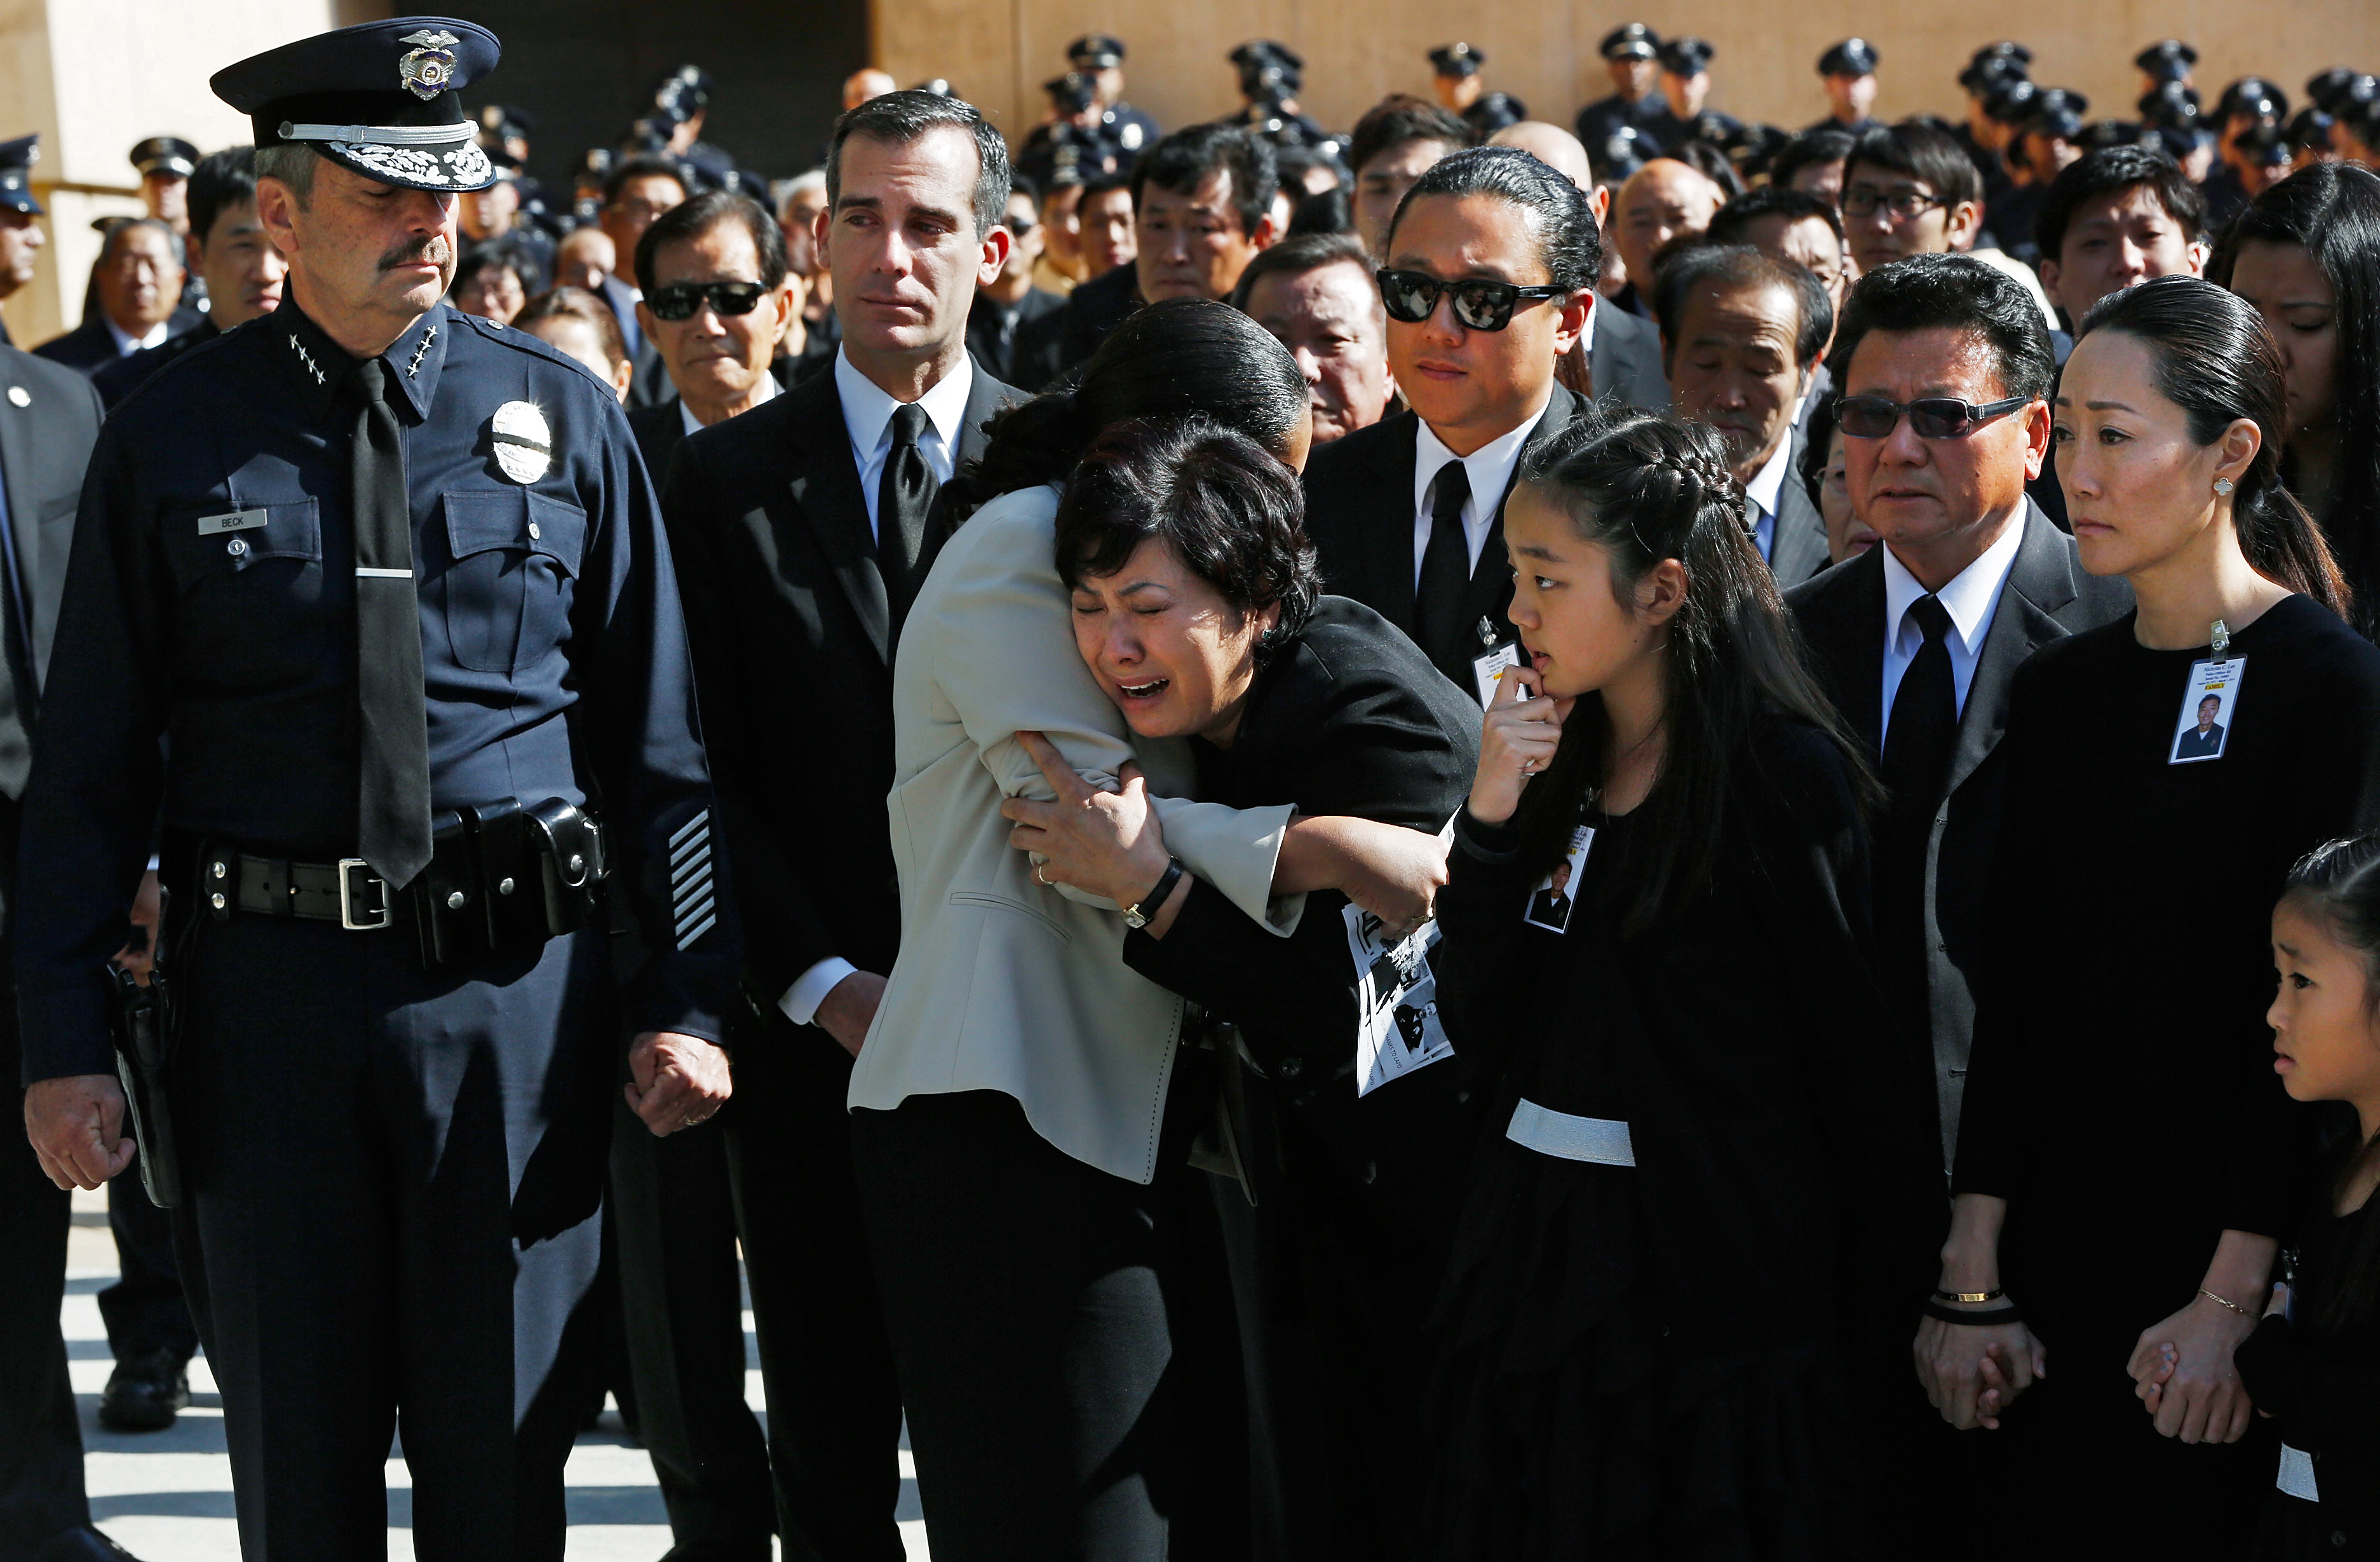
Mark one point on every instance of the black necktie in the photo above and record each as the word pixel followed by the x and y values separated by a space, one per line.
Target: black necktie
pixel 1917 744
pixel 904 496
pixel 1445 562
pixel 392 811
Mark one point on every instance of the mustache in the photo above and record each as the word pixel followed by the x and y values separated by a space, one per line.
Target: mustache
pixel 431 248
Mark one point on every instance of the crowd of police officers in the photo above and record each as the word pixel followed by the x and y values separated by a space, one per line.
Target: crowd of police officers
pixel 402 884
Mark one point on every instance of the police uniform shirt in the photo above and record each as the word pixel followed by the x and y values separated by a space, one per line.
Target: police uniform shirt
pixel 1606 117
pixel 547 604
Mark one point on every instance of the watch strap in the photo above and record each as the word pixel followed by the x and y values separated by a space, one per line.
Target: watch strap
pixel 1137 916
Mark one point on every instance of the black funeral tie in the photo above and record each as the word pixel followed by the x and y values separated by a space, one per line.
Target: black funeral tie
pixel 393 814
pixel 1917 745
pixel 1445 563
pixel 904 497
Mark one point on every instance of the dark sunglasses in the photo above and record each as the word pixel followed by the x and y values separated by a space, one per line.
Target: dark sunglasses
pixel 1479 305
pixel 1018 225
pixel 680 300
pixel 1933 417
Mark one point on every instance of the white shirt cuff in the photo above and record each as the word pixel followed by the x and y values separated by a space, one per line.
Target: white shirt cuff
pixel 802 999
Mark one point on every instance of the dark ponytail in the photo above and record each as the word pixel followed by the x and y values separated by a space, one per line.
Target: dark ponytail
pixel 2339 884
pixel 2217 362
pixel 1645 488
pixel 1182 356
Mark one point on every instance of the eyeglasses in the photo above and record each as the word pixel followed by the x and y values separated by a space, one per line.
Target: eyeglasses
pixel 1904 204
pixel 1480 305
pixel 1933 417
pixel 680 300
pixel 1018 225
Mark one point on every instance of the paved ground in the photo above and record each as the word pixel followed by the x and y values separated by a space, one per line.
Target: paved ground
pixel 166 1497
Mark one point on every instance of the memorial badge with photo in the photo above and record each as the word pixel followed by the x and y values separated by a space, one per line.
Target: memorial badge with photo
pixel 1551 901
pixel 2205 727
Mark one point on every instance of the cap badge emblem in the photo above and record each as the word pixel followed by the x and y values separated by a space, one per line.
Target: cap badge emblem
pixel 429 69
pixel 524 446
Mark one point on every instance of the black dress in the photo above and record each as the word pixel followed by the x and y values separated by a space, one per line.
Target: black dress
pixel 2123 1098
pixel 2321 1382
pixel 1336 1263
pixel 1669 1359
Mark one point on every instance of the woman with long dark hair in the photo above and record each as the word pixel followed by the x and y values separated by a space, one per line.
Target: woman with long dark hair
pixel 2306 255
pixel 2126 1161
pixel 2314 1363
pixel 1710 1184
pixel 1021 1149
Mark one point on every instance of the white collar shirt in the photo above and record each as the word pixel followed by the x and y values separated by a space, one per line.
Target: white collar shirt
pixel 868 418
pixel 769 392
pixel 1764 490
pixel 1972 599
pixel 127 344
pixel 1491 469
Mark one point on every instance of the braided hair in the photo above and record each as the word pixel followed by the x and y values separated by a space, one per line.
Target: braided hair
pixel 1646 488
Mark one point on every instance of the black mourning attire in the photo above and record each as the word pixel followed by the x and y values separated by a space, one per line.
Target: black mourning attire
pixel 2317 1378
pixel 1354 1200
pixel 2129 958
pixel 1674 1358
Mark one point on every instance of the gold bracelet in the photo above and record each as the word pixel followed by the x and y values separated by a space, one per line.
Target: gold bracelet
pixel 2221 1301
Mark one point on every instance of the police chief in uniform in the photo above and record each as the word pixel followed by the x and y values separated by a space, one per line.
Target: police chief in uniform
pixel 391 580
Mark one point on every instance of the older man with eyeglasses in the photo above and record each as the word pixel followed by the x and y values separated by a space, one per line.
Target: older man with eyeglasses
pixel 1944 364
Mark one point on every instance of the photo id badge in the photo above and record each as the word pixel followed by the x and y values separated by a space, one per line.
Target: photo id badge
pixel 2204 726
pixel 1551 901
pixel 1397 1025
pixel 1489 666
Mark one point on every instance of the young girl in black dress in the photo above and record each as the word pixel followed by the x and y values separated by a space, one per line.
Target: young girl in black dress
pixel 1708 1177
pixel 2128 1164
pixel 2313 1364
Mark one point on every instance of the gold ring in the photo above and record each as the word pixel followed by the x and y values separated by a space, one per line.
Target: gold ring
pixel 1039 875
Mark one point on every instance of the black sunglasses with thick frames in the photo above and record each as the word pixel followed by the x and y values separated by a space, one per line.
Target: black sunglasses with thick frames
pixel 1933 417
pixel 1479 304
pixel 680 300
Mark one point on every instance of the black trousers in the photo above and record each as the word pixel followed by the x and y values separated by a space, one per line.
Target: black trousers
pixel 394 1183
pixel 774 1166
pixel 144 1310
pixel 1059 1334
pixel 41 1442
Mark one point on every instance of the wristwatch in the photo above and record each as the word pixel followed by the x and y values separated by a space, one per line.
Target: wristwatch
pixel 1137 917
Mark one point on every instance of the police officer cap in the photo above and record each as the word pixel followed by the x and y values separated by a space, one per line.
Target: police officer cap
pixel 2168 59
pixel 17 160
pixel 1685 56
pixel 2006 49
pixel 1633 42
pixel 939 85
pixel 1259 53
pixel 1072 92
pixel 2254 94
pixel 2011 102
pixel 1852 56
pixel 1993 64
pixel 1494 112
pixel 2265 142
pixel 682 93
pixel 2058 110
pixel 2170 106
pixel 382 100
pixel 2101 134
pixel 508 120
pixel 2310 131
pixel 2329 87
pixel 1456 60
pixel 165 154
pixel 1095 51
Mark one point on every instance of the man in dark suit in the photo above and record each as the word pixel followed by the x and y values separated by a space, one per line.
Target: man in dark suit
pixel 802 531
pixel 715 295
pixel 1740 335
pixel 637 190
pixel 139 281
pixel 228 249
pixel 1918 642
pixel 1000 333
pixel 49 418
pixel 1623 354
pixel 1407 515
pixel 2204 741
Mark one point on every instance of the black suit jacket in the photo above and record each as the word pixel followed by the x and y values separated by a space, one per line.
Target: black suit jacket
pixel 1359 512
pixel 1092 310
pixel 117 379
pixel 1798 549
pixel 1841 615
pixel 86 349
pixel 1625 359
pixel 659 429
pixel 792 639
pixel 1027 356
pixel 49 420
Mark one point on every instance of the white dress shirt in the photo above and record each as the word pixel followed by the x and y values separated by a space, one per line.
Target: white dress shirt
pixel 1490 470
pixel 624 296
pixel 868 417
pixel 127 343
pixel 1970 600
pixel 1763 491
pixel 769 392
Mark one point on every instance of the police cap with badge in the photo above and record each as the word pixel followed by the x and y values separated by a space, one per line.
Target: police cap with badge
pixel 169 156
pixel 1456 61
pixel 1688 58
pixel 17 160
pixel 1095 51
pixel 1852 56
pixel 1631 40
pixel 2168 59
pixel 380 100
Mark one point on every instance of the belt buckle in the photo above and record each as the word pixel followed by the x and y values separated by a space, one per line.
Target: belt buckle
pixel 350 868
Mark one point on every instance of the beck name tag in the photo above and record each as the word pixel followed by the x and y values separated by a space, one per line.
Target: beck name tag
pixel 1489 666
pixel 2204 729
pixel 237 520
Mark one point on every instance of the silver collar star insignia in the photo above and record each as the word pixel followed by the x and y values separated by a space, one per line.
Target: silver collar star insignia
pixel 307 360
pixel 428 337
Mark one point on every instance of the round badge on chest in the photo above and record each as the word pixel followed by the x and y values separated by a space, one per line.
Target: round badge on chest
pixel 524 445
